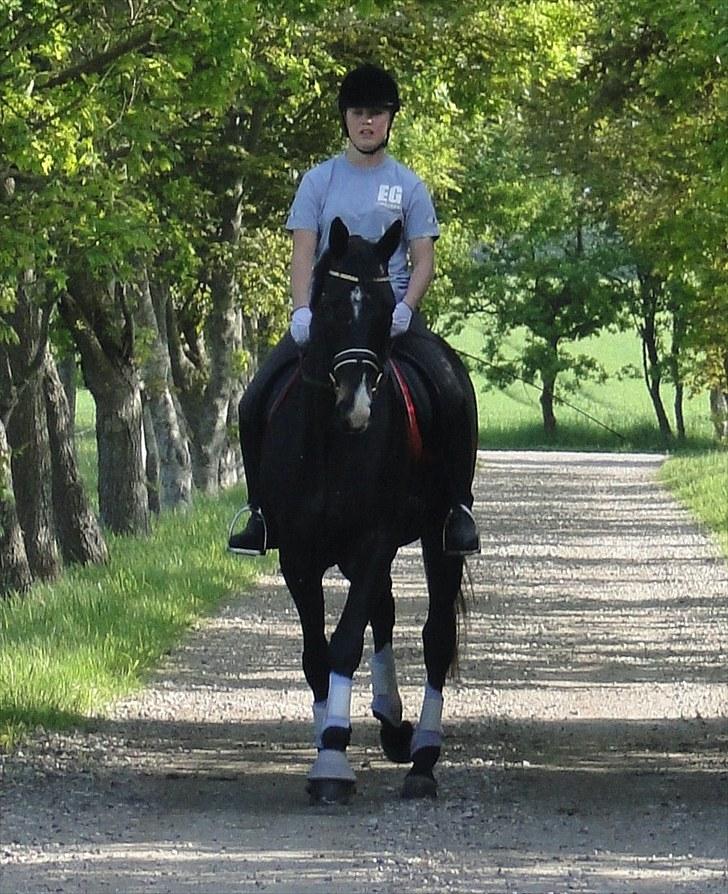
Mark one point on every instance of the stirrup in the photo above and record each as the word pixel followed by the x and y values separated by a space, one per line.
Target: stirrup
pixel 468 549
pixel 246 551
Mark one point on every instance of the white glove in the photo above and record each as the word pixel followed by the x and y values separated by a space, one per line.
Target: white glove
pixel 300 323
pixel 401 318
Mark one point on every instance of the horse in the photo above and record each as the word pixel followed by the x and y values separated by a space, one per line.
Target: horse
pixel 341 485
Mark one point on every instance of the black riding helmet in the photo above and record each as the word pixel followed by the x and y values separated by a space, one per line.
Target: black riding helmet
pixel 368 87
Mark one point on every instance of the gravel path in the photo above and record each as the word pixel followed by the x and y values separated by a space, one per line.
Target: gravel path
pixel 587 739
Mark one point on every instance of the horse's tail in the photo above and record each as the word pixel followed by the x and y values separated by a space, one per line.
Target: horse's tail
pixel 461 620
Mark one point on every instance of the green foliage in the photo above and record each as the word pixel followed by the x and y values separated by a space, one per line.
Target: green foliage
pixel 171 135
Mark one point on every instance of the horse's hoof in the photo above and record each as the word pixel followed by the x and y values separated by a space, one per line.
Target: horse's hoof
pixel 418 785
pixel 330 791
pixel 396 741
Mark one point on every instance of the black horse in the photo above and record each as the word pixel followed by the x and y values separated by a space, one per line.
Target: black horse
pixel 342 483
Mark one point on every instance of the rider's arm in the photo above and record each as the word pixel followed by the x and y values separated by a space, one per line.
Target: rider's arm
pixel 422 259
pixel 302 258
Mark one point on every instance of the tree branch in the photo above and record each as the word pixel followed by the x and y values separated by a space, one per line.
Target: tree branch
pixel 96 64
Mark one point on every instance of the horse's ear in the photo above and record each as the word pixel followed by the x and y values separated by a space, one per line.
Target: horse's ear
pixel 387 245
pixel 338 238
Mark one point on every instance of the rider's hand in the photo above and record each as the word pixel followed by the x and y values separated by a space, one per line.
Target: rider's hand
pixel 300 323
pixel 401 318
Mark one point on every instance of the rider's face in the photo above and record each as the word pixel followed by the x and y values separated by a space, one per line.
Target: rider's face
pixel 367 127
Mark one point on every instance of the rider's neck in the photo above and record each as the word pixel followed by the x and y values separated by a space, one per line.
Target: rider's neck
pixel 362 159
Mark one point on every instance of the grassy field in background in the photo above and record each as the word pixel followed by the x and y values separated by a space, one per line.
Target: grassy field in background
pixel 511 418
pixel 70 647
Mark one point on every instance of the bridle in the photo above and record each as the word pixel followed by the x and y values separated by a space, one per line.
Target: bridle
pixel 362 357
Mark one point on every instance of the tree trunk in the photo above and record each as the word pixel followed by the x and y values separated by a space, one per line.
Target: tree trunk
pixel 27 434
pixel 653 378
pixel 651 364
pixel 231 462
pixel 679 411
pixel 67 371
pixel 123 500
pixel 101 324
pixel 15 575
pixel 205 387
pixel 547 405
pixel 209 420
pixel 77 528
pixel 649 299
pixel 678 331
pixel 151 462
pixel 173 456
pixel 719 413
pixel 549 368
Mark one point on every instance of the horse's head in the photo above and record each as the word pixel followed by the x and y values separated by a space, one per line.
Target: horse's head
pixel 351 306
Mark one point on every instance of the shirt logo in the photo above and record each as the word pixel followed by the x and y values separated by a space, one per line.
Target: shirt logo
pixel 390 196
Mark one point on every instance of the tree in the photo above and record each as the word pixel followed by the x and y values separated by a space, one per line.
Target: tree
pixel 549 279
pixel 645 116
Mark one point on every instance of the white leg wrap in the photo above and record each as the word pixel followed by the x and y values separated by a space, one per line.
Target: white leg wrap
pixel 319 716
pixel 429 728
pixel 385 701
pixel 338 706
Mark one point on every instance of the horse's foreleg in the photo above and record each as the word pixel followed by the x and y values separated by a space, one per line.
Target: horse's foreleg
pixel 306 590
pixel 331 778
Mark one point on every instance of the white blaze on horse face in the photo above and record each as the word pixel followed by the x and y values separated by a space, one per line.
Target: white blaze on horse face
pixel 356 302
pixel 361 406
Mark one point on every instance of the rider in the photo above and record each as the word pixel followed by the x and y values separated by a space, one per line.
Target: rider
pixel 368 190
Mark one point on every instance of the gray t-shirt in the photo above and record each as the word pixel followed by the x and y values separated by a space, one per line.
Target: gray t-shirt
pixel 368 200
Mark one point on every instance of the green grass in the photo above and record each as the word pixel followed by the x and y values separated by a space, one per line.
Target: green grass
pixel 71 646
pixel 700 481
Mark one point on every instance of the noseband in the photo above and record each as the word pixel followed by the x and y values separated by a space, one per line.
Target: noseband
pixel 363 357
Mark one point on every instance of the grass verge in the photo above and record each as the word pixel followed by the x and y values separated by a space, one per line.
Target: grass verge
pixel 700 482
pixel 71 646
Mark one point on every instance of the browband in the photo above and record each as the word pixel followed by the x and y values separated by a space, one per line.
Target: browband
pixel 348 276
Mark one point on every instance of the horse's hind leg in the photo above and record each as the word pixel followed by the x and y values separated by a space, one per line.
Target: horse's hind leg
pixel 444 576
pixel 395 734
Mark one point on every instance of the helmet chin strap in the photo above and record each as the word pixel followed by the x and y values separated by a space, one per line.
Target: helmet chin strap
pixel 374 151
pixel 382 145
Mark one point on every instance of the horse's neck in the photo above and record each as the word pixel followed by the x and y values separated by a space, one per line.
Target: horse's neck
pixel 318 411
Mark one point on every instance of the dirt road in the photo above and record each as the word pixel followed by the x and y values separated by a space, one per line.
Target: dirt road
pixel 587 739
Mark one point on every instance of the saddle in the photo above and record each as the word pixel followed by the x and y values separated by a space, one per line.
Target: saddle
pixel 406 382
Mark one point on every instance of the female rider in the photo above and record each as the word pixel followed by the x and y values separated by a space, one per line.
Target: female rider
pixel 368 190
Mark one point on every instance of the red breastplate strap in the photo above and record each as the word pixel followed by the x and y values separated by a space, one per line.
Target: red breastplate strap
pixel 414 436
